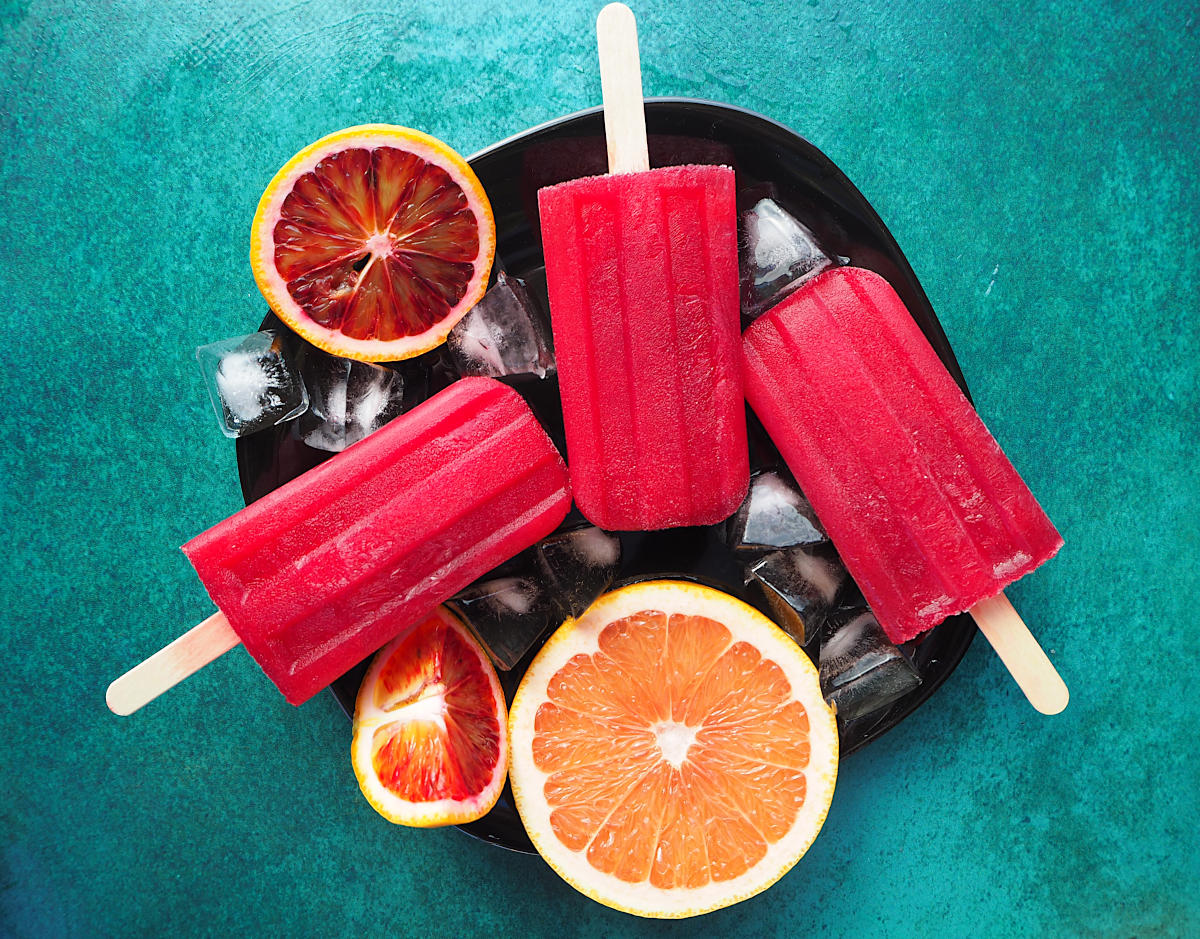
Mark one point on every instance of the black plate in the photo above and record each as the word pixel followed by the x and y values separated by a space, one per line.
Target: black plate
pixel 768 159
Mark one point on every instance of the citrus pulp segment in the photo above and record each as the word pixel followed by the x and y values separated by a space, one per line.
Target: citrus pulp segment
pixel 429 743
pixel 671 752
pixel 372 242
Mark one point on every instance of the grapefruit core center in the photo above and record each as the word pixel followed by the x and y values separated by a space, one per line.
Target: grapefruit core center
pixel 674 740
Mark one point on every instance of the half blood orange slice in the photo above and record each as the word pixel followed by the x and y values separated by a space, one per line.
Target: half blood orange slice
pixel 373 242
pixel 429 743
pixel 671 751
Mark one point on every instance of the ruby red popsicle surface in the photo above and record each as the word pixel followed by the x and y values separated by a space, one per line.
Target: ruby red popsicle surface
pixel 322 572
pixel 923 506
pixel 642 275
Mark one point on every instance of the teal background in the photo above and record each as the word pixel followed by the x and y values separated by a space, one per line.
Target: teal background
pixel 1035 160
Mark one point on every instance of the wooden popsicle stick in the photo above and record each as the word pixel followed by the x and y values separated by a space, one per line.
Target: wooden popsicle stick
pixel 621 86
pixel 172 664
pixel 1025 660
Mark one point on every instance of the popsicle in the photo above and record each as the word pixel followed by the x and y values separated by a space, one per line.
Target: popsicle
pixel 642 275
pixel 925 509
pixel 320 573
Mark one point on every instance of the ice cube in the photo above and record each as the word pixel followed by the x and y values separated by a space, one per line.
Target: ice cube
pixel 508 614
pixel 348 399
pixel 773 515
pixel 778 253
pixel 503 334
pixel 252 382
pixel 800 586
pixel 861 670
pixel 578 566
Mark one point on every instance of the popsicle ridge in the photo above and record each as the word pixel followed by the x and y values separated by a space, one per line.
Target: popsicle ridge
pixel 621 452
pixel 673 434
pixel 593 231
pixel 689 326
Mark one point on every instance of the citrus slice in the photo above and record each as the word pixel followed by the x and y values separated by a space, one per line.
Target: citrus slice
pixel 429 743
pixel 671 751
pixel 373 242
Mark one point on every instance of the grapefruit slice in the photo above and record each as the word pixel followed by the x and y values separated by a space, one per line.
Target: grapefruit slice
pixel 429 743
pixel 671 751
pixel 373 242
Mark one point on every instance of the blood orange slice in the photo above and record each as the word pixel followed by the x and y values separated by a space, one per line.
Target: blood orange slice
pixel 373 242
pixel 429 743
pixel 671 751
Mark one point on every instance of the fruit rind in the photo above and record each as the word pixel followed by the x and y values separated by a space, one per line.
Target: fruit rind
pixel 273 287
pixel 580 635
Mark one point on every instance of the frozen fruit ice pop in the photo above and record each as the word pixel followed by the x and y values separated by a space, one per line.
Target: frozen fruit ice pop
pixel 320 573
pixel 642 275
pixel 924 508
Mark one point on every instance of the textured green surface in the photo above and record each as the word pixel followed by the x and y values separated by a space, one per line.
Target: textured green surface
pixel 1035 160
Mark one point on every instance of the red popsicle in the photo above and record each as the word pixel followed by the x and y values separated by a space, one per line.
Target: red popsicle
pixel 323 571
pixel 923 506
pixel 641 268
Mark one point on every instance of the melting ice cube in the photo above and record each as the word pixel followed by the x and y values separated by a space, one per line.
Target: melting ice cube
pixel 579 565
pixel 778 255
pixel 348 400
pixel 773 515
pixel 508 614
pixel 503 334
pixel 861 670
pixel 800 586
pixel 252 382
